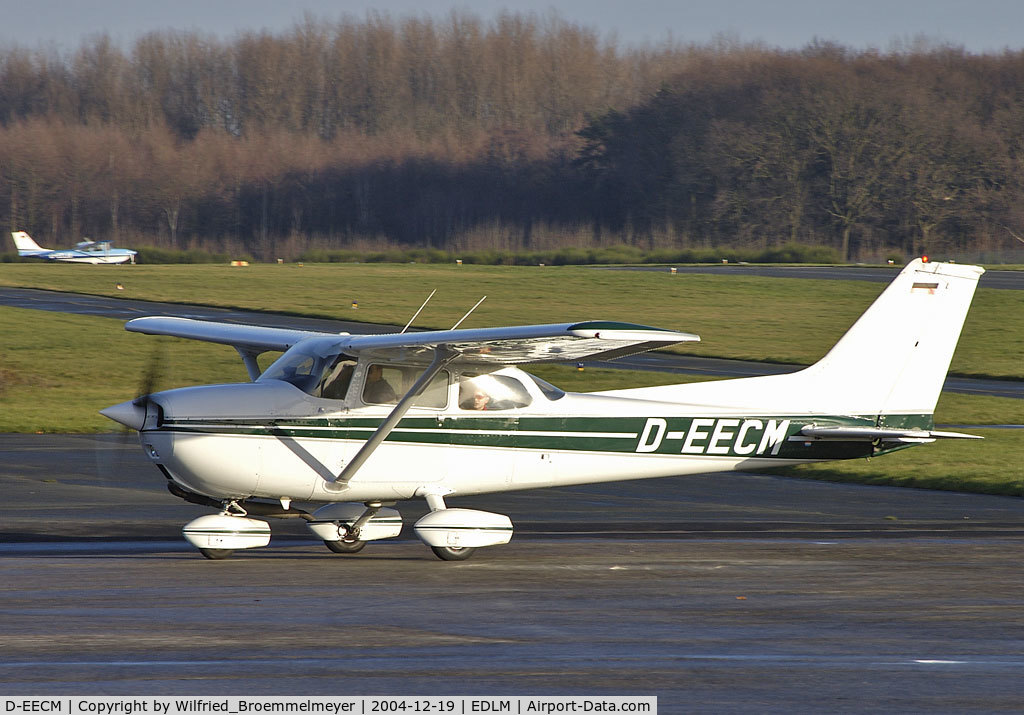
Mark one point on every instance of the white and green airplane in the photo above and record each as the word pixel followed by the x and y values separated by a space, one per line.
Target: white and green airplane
pixel 358 423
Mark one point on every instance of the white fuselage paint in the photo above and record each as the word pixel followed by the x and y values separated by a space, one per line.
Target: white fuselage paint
pixel 303 468
pixel 229 466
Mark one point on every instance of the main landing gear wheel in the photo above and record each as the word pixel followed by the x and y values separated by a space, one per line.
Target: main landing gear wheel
pixel 216 554
pixel 345 546
pixel 452 553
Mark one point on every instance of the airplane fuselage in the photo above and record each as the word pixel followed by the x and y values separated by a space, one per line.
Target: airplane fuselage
pixel 225 453
pixel 113 256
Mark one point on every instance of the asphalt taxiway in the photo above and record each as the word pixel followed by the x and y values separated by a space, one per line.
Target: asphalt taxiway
pixel 718 593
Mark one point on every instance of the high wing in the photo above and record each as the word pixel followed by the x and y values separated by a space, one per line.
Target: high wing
pixel 252 338
pixel 557 342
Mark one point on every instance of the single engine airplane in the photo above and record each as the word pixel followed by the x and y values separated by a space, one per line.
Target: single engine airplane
pixel 84 252
pixel 360 422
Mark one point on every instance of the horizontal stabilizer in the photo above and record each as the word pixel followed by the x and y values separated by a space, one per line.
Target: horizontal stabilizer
pixel 884 434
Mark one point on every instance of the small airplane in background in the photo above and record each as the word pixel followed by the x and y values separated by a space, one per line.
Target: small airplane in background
pixel 84 252
pixel 357 423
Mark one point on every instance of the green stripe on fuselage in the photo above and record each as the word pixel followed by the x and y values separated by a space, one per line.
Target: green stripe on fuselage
pixel 729 437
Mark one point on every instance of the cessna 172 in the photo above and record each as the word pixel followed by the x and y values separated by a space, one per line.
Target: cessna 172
pixel 360 422
pixel 83 252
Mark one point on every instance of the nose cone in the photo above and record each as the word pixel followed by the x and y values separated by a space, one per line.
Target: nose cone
pixel 127 413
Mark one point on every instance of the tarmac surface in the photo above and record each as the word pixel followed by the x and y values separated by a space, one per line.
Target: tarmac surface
pixel 717 593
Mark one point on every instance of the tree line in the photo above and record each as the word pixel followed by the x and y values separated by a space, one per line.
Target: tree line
pixel 524 133
pixel 866 152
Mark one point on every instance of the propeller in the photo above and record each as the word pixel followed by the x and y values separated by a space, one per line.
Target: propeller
pixel 132 414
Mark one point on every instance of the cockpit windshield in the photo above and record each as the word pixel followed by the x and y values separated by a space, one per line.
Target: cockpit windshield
pixel 316 374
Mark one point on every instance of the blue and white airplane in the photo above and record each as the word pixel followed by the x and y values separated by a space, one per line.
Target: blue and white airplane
pixel 84 252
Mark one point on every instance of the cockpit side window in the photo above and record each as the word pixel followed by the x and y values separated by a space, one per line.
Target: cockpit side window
pixel 492 392
pixel 386 384
pixel 334 384
pixel 379 387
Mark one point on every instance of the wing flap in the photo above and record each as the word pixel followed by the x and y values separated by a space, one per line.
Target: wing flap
pixel 558 342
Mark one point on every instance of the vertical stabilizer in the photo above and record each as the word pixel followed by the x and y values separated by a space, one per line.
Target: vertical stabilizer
pixel 892 361
pixel 26 246
pixel 895 357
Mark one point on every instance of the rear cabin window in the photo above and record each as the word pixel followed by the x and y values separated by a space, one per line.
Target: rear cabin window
pixel 483 393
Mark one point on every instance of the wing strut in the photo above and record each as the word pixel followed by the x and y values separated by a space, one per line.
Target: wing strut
pixel 442 356
pixel 249 358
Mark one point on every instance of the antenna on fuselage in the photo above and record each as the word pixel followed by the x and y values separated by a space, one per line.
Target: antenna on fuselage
pixel 470 311
pixel 418 311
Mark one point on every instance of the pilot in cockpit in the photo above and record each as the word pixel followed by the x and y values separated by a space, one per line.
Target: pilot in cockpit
pixel 335 384
pixel 378 390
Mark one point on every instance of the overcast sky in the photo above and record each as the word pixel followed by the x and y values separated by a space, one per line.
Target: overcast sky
pixel 977 25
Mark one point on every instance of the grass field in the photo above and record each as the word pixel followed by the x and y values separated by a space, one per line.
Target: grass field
pixel 771 319
pixel 57 370
pixel 992 466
